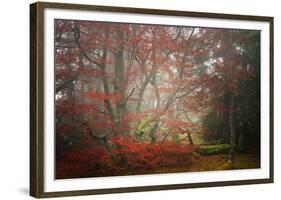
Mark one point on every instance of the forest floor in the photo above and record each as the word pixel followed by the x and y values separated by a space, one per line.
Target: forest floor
pixel 66 169
pixel 216 163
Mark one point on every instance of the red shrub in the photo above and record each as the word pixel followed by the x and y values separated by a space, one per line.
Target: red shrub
pixel 125 157
pixel 150 156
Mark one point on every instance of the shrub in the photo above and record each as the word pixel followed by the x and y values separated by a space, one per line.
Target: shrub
pixel 143 156
pixel 125 157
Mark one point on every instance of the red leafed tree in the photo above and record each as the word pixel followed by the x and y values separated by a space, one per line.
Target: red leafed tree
pixel 127 88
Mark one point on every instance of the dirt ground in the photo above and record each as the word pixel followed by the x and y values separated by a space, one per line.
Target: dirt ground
pixel 216 162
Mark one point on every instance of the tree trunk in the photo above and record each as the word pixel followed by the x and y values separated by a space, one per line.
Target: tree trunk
pixel 140 95
pixel 232 132
pixel 231 108
pixel 107 103
pixel 156 125
pixel 119 80
pixel 153 82
pixel 190 138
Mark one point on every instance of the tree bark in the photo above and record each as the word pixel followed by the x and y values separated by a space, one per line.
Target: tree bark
pixel 231 82
pixel 232 131
pixel 119 79
pixel 189 138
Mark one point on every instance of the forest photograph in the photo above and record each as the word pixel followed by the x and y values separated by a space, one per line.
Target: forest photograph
pixel 135 99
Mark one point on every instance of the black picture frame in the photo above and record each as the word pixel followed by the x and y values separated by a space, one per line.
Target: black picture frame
pixel 37 97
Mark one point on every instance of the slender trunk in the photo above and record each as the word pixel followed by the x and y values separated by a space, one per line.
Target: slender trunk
pixel 226 104
pixel 153 82
pixel 232 131
pixel 106 91
pixel 241 141
pixel 156 125
pixel 119 80
pixel 107 102
pixel 190 138
pixel 140 95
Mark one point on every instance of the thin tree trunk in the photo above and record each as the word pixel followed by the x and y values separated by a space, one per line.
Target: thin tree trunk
pixel 107 103
pixel 231 106
pixel 119 80
pixel 156 125
pixel 190 140
pixel 232 131
pixel 153 82
pixel 140 95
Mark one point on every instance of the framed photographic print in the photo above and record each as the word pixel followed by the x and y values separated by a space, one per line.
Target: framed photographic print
pixel 130 99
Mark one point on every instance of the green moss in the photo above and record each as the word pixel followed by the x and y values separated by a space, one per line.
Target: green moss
pixel 142 125
pixel 214 149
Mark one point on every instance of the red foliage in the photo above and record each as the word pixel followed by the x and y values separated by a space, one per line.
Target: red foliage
pixel 62 74
pixel 167 90
pixel 95 73
pixel 220 107
pixel 65 58
pixel 74 108
pixel 83 162
pixel 168 60
pixel 126 157
pixel 178 123
pixel 140 156
pixel 134 116
pixel 101 96
pixel 106 124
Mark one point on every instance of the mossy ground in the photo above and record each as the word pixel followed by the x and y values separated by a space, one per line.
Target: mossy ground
pixel 214 149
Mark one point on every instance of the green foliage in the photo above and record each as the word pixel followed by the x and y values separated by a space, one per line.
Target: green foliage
pixel 214 149
pixel 143 128
pixel 143 125
pixel 176 138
